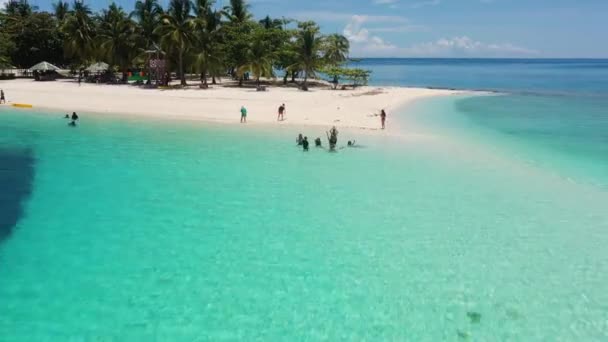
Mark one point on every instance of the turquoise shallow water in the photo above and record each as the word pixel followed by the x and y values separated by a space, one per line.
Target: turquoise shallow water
pixel 564 135
pixel 155 231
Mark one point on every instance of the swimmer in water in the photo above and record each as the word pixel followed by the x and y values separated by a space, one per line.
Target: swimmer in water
pixel 74 116
pixel 299 139
pixel 318 142
pixel 305 144
pixel 351 143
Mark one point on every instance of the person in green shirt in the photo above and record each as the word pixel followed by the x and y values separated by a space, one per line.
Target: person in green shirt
pixel 243 114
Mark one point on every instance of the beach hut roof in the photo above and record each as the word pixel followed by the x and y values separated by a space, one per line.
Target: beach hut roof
pixel 44 66
pixel 98 67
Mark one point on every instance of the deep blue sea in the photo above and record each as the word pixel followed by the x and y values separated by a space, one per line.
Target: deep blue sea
pixel 587 77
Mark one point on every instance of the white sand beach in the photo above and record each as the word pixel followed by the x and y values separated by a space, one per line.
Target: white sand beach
pixel 343 108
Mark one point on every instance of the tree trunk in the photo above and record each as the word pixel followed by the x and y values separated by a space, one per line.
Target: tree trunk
pixel 285 77
pixel 293 76
pixel 181 69
pixel 204 77
pixel 258 81
pixel 213 80
pixel 240 81
pixel 304 85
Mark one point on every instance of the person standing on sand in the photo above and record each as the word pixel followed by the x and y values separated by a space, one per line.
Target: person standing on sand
pixel 243 114
pixel 383 118
pixel 281 112
pixel 2 99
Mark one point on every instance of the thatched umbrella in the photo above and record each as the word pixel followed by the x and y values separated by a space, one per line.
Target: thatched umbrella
pixel 44 66
pixel 98 67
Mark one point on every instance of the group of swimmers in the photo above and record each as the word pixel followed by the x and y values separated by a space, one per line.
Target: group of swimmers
pixel 332 138
pixel 74 118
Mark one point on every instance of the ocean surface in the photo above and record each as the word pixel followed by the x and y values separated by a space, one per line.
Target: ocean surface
pixel 486 221
pixel 552 112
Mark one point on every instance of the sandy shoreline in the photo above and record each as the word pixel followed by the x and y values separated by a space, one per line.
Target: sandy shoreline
pixel 318 107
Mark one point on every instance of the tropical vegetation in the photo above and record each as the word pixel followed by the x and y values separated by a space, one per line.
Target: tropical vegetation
pixel 192 36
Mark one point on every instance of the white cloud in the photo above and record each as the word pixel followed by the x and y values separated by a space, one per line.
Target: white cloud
pixel 445 47
pixel 360 37
pixel 364 43
pixel 467 47
pixel 346 17
pixel 3 4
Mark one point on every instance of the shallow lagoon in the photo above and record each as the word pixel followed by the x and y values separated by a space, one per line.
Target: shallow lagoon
pixel 156 230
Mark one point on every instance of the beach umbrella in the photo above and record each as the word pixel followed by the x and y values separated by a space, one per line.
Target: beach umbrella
pixel 44 66
pixel 98 67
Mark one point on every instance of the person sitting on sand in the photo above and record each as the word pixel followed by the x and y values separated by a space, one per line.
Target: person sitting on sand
pixel 383 118
pixel 2 99
pixel 299 139
pixel 281 113
pixel 243 114
pixel 318 142
pixel 305 144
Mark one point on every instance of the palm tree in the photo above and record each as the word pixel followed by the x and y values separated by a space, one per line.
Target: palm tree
pixel 237 12
pixel 260 58
pixel 202 7
pixel 21 8
pixel 148 14
pixel 335 49
pixel 208 24
pixel 177 31
pixel 61 9
pixel 307 54
pixel 79 33
pixel 269 23
pixel 117 38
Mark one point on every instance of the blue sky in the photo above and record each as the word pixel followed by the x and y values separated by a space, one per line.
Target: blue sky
pixel 447 28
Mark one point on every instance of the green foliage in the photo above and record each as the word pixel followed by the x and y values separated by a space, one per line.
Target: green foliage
pixel 208 56
pixel 193 35
pixel 117 38
pixel 79 30
pixel 357 77
pixel 61 9
pixel 260 54
pixel 308 52
pixel 20 8
pixel 335 49
pixel 177 32
pixel 29 37
pixel 148 15
pixel 238 12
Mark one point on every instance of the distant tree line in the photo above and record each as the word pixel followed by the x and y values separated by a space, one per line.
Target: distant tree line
pixel 194 36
